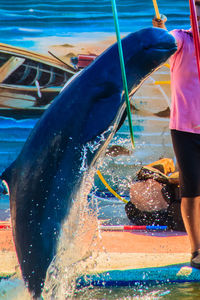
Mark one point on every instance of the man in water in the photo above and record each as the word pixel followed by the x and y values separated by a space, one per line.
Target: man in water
pixel 185 129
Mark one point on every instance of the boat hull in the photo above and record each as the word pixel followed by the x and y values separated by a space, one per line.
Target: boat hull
pixel 29 80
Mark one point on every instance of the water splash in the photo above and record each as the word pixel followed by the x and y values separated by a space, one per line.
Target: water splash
pixel 79 241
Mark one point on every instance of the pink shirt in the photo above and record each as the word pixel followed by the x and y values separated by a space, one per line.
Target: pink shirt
pixel 185 85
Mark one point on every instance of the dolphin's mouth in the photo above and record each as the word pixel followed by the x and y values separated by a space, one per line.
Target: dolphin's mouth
pixel 171 46
pixel 164 46
pixel 163 49
pixel 167 49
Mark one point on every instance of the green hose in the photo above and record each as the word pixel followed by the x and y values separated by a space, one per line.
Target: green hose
pixel 114 9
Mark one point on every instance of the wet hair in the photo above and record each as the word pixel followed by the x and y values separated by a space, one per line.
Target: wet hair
pixel 197 3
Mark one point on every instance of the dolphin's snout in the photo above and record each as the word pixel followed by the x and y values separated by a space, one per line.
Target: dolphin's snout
pixel 168 41
pixel 159 39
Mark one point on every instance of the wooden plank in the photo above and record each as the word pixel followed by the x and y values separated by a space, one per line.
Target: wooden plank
pixel 10 66
pixel 35 56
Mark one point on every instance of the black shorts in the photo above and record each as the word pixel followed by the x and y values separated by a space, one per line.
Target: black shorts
pixel 187 150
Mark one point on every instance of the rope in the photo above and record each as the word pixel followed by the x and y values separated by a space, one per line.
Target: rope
pixel 109 188
pixel 114 9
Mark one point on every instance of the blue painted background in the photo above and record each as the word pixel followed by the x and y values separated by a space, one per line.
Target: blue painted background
pixel 24 23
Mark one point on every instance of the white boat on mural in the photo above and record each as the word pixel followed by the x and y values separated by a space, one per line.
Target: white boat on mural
pixel 29 81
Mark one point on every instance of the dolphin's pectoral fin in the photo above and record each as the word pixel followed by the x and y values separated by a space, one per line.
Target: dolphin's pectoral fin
pixel 6 176
pixel 4 188
pixel 96 122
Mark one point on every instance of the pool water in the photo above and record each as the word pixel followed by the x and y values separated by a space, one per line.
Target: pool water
pixel 166 291
pixel 13 290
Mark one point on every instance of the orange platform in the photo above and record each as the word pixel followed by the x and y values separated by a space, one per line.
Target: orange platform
pixel 121 250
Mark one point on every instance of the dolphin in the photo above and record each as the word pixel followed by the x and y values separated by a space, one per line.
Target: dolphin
pixel 47 174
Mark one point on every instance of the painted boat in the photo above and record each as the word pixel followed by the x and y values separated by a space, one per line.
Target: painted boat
pixel 29 81
pixel 82 60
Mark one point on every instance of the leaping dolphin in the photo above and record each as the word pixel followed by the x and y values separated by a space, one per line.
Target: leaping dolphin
pixel 47 174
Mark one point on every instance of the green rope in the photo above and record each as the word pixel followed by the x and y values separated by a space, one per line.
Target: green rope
pixel 114 9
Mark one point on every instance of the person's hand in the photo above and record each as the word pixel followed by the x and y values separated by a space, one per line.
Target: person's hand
pixel 160 23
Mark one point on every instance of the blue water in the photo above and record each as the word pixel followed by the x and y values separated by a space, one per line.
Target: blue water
pixel 27 23
pixel 178 291
pixel 188 291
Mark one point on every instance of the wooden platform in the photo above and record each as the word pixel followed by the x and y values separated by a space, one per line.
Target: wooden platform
pixel 128 258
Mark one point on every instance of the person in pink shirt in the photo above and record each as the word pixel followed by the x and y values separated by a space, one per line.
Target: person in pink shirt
pixel 185 129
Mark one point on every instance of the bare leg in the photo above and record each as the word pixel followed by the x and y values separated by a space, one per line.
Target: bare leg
pixel 190 210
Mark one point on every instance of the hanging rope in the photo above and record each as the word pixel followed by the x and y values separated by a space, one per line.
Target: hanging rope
pixel 109 188
pixel 114 9
pixel 195 32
